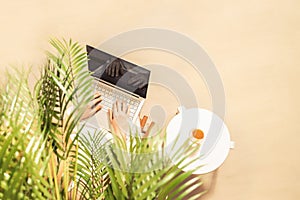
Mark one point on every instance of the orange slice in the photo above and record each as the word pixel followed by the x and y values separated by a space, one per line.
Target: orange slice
pixel 198 134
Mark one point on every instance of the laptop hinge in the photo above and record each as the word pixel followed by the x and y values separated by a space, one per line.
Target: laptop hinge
pixel 119 88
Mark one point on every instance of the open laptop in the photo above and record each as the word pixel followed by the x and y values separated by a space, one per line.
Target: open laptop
pixel 116 79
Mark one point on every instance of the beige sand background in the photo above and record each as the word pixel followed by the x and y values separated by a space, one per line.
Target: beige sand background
pixel 255 46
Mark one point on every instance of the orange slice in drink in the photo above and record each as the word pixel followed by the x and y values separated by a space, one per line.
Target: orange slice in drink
pixel 198 134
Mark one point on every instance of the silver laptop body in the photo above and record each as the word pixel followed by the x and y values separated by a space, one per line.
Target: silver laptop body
pixel 129 87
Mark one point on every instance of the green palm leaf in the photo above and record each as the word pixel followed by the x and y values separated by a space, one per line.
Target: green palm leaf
pixel 146 173
pixel 92 177
pixel 22 152
pixel 65 83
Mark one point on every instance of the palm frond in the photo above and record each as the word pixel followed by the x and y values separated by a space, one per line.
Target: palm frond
pixel 63 93
pixel 91 176
pixel 143 171
pixel 22 152
pixel 65 83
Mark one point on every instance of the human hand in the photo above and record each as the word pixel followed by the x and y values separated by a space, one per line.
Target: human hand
pixel 115 68
pixel 93 107
pixel 119 119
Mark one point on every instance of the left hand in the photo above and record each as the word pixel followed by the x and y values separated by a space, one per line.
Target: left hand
pixel 93 107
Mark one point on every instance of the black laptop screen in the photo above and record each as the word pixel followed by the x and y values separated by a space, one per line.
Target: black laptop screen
pixel 118 72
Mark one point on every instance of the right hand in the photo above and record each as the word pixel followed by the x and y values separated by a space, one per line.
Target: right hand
pixel 122 126
pixel 119 119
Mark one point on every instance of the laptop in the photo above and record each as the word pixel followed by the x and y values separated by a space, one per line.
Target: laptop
pixel 116 79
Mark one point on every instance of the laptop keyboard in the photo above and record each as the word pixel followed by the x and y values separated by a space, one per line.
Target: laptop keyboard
pixel 109 95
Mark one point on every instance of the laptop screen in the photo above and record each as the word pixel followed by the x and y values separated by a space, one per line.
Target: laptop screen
pixel 118 72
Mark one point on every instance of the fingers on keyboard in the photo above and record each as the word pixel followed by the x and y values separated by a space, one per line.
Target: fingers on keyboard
pixel 97 95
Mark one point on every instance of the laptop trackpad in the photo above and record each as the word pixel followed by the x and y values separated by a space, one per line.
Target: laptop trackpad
pixel 99 120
